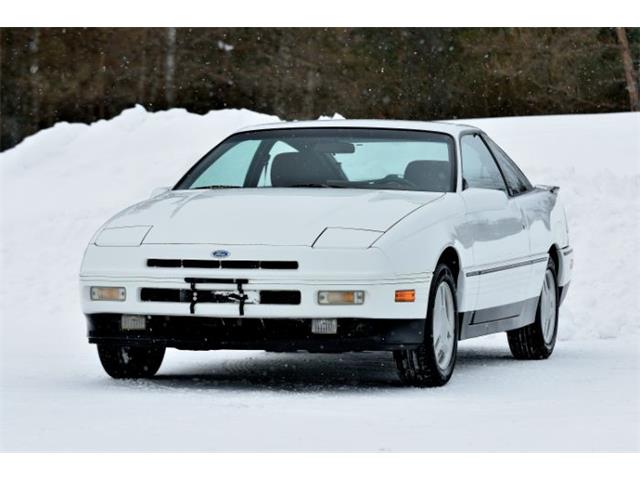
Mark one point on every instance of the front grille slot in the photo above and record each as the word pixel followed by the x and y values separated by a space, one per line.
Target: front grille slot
pixel 278 265
pixel 227 264
pixel 176 295
pixel 161 295
pixel 279 297
pixel 200 264
pixel 164 263
pixel 239 264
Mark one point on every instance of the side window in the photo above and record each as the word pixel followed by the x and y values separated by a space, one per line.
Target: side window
pixel 516 180
pixel 479 169
pixel 231 168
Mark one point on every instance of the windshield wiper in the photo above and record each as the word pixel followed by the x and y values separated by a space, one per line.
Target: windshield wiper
pixel 313 185
pixel 214 187
pixel 298 185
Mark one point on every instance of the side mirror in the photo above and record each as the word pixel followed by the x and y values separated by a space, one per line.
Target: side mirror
pixel 156 192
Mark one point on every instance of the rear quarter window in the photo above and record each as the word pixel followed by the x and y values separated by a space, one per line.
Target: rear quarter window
pixel 516 180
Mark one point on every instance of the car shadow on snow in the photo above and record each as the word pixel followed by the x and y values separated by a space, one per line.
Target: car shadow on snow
pixel 305 372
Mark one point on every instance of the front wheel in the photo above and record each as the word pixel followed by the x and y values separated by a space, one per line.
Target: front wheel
pixel 537 341
pixel 121 361
pixel 432 363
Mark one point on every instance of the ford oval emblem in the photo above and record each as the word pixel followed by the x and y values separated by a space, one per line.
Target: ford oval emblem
pixel 220 253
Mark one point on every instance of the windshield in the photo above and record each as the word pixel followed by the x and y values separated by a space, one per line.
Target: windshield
pixel 328 158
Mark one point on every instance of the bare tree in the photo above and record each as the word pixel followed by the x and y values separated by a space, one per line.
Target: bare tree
pixel 77 74
pixel 34 49
pixel 170 67
pixel 629 72
pixel 142 67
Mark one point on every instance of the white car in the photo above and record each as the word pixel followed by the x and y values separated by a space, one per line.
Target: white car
pixel 333 236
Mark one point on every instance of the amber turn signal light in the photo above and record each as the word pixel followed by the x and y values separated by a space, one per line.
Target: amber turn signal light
pixel 110 294
pixel 339 297
pixel 405 295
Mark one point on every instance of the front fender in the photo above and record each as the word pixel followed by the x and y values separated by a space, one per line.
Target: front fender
pixel 416 243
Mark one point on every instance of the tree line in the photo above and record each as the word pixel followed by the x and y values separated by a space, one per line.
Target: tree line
pixel 84 74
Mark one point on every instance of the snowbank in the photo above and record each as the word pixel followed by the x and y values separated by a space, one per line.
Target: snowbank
pixel 61 184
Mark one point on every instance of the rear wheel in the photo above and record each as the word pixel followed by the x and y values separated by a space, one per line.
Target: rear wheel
pixel 432 363
pixel 537 341
pixel 121 361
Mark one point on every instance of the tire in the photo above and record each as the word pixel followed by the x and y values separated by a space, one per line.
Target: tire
pixel 432 365
pixel 537 341
pixel 130 362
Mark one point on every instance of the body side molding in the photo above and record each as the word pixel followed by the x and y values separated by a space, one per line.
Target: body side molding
pixel 507 267
pixel 497 319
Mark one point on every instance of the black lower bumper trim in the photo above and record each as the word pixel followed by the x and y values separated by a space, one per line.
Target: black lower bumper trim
pixel 282 334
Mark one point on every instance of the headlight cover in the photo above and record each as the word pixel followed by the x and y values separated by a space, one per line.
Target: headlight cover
pixel 122 236
pixel 334 237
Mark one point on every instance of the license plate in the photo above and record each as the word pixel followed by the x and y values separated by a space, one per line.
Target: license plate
pixel 133 322
pixel 324 326
pixel 232 296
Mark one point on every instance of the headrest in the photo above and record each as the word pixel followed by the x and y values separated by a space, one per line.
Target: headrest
pixel 430 175
pixel 297 168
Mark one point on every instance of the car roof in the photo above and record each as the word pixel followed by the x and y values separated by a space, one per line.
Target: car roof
pixel 442 127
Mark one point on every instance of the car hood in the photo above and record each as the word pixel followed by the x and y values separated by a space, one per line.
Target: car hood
pixel 269 216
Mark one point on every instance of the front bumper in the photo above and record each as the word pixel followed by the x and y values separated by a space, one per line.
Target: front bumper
pixel 379 299
pixel 274 334
pixel 366 270
pixel 163 296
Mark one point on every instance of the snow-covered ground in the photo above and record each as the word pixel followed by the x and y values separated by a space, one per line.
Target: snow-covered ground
pixel 60 185
pixel 585 398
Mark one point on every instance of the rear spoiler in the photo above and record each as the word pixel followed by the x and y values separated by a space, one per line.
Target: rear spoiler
pixel 549 188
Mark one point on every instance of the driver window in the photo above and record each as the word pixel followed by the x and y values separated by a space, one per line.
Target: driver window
pixel 479 169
